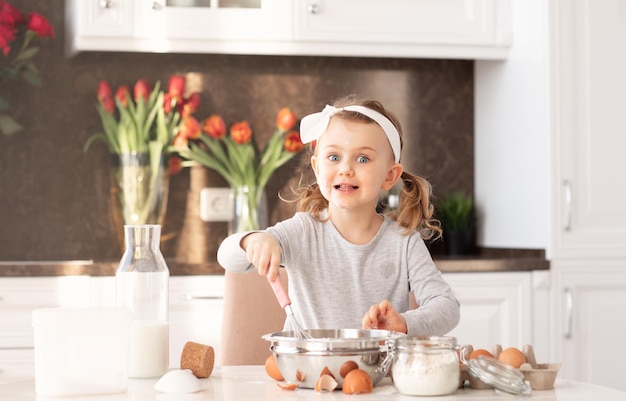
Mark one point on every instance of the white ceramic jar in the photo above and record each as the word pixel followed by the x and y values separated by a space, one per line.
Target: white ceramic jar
pixel 426 366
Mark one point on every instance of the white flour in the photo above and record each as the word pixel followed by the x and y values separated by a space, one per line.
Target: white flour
pixel 433 372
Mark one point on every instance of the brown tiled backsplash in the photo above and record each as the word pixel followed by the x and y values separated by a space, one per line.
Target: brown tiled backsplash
pixel 54 196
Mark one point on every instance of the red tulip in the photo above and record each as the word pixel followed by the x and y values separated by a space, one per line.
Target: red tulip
pixel 167 103
pixel 10 15
pixel 122 95
pixel 105 96
pixel 175 165
pixel 190 128
pixel 104 90
pixel 241 132
pixel 286 119
pixel 293 143
pixel 108 104
pixel 190 105
pixel 176 88
pixel 142 89
pixel 40 25
pixel 215 127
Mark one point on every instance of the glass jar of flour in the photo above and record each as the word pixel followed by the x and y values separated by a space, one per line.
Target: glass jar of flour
pixel 142 286
pixel 426 366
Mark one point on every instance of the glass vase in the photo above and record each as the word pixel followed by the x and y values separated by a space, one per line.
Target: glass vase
pixel 250 209
pixel 141 284
pixel 139 191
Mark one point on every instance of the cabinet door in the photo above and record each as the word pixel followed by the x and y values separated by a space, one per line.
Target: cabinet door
pixel 196 311
pixel 395 23
pixel 252 20
pixel 98 25
pixel 495 308
pixel 589 196
pixel 590 300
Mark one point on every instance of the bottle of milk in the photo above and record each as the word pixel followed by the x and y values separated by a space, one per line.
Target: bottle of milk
pixel 142 286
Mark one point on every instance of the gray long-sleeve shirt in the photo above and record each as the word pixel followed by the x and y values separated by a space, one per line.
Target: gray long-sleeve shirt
pixel 332 282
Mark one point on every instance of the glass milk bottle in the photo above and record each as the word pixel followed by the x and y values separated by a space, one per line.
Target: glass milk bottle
pixel 142 286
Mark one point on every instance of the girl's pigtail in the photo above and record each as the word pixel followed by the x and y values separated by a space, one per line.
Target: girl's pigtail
pixel 415 211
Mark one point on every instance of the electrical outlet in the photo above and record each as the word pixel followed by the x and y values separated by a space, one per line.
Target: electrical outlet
pixel 216 204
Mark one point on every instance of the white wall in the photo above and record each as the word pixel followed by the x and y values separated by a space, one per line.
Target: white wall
pixel 512 137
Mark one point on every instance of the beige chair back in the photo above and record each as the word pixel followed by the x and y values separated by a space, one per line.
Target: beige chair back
pixel 250 311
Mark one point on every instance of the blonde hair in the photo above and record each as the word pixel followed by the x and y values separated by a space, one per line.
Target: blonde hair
pixel 415 209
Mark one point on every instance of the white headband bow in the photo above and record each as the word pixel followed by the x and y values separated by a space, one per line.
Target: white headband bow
pixel 314 125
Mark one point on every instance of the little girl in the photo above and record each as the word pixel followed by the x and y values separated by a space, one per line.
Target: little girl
pixel 349 266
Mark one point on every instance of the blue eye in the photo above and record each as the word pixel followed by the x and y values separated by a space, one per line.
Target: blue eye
pixel 333 158
pixel 362 159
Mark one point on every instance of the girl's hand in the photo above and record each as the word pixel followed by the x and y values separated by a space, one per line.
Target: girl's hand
pixel 384 317
pixel 263 251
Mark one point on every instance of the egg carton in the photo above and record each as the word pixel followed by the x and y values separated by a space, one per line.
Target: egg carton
pixel 541 376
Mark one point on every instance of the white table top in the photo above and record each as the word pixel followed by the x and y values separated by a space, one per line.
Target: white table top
pixel 251 383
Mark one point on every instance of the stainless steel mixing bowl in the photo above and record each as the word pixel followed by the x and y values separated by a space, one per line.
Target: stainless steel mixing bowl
pixel 370 349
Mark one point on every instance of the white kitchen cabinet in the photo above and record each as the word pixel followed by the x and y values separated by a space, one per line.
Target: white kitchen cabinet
pixel 471 29
pixel 89 22
pixel 590 300
pixel 565 72
pixel 405 28
pixel 19 296
pixel 496 308
pixel 589 217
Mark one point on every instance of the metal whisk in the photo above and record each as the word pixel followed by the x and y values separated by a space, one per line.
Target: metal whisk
pixel 285 303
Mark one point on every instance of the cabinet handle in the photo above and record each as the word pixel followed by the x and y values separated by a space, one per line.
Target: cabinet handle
pixel 313 8
pixel 569 312
pixel 189 297
pixel 156 6
pixel 567 192
pixel 105 4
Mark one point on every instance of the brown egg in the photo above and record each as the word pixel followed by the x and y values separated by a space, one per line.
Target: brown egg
pixel 271 368
pixel 346 367
pixel 476 353
pixel 512 357
pixel 357 381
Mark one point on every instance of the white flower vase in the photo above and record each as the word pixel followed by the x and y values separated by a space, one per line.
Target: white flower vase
pixel 138 192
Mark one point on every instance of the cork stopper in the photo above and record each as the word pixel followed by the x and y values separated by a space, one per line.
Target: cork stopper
pixel 198 358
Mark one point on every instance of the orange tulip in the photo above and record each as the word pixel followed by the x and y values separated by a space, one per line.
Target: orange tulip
pixel 293 143
pixel 190 105
pixel 215 127
pixel 122 95
pixel 142 89
pixel 190 128
pixel 176 88
pixel 286 119
pixel 181 141
pixel 241 132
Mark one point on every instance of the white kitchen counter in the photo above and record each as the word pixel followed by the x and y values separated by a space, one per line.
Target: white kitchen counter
pixel 251 383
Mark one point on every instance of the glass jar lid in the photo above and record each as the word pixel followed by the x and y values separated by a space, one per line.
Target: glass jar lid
pixel 415 343
pixel 499 375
